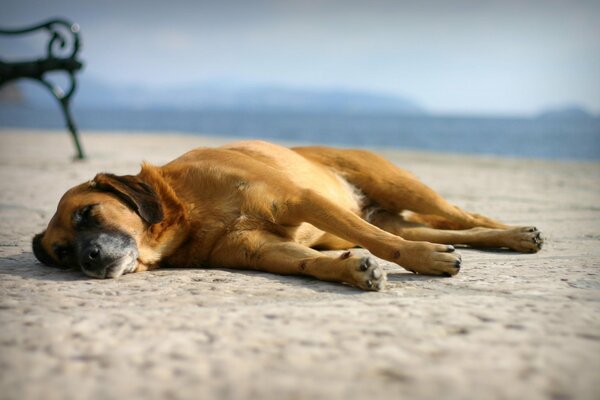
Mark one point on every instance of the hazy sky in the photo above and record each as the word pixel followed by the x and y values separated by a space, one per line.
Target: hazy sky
pixel 451 56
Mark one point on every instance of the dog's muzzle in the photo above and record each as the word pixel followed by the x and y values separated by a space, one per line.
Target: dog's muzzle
pixel 106 254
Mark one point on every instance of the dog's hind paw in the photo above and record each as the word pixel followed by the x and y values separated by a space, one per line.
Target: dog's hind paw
pixel 429 258
pixel 525 239
pixel 368 275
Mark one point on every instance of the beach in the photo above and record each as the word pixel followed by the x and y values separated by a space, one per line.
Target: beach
pixel 509 326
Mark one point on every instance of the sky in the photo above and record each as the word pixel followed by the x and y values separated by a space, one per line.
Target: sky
pixel 452 57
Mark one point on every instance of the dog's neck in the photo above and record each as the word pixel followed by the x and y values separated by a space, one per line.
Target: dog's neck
pixel 163 238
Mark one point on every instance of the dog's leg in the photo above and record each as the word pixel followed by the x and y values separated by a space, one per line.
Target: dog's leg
pixel 422 257
pixel 267 252
pixel 393 188
pixel 397 193
pixel 524 239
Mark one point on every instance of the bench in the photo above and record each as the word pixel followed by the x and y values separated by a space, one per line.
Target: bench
pixel 37 69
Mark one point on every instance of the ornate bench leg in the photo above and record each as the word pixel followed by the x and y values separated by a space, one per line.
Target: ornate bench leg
pixel 72 128
pixel 65 102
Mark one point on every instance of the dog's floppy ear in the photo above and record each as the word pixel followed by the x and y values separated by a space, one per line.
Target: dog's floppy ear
pixel 134 192
pixel 39 251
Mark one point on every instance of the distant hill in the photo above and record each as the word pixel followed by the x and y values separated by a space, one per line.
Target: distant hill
pixel 94 94
pixel 572 111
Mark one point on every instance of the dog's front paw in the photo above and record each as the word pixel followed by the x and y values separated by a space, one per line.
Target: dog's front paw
pixel 368 275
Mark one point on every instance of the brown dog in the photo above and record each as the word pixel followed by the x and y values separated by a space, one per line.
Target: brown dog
pixel 260 206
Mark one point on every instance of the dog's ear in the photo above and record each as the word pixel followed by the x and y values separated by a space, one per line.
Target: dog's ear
pixel 134 192
pixel 39 251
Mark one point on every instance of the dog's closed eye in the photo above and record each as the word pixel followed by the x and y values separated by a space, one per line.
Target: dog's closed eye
pixel 84 217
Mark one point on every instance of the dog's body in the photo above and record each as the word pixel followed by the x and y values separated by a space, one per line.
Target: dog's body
pixel 260 206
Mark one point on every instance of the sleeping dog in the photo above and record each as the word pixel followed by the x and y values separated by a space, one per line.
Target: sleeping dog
pixel 256 205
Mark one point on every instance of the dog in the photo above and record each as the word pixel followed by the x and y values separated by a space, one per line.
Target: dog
pixel 257 205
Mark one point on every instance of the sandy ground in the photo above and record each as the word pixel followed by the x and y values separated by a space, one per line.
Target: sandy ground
pixel 510 326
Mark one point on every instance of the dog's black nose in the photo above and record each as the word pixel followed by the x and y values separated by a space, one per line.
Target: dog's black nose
pixel 93 253
pixel 92 258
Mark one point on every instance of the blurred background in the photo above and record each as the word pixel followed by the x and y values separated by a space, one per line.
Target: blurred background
pixel 514 78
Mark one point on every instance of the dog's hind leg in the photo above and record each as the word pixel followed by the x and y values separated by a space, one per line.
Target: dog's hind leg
pixel 523 239
pixel 270 253
pixel 393 188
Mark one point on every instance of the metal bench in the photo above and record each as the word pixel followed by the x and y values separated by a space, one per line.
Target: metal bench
pixel 37 69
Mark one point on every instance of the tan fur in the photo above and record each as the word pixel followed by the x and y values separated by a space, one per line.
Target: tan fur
pixel 262 206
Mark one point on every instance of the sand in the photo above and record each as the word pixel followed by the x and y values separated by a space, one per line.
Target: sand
pixel 509 326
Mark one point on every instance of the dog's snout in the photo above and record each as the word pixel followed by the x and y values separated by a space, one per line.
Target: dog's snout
pixel 102 254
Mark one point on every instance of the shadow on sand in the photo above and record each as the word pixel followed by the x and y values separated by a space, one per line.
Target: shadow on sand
pixel 26 266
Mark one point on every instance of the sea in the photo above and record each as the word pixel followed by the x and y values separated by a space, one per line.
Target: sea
pixel 544 138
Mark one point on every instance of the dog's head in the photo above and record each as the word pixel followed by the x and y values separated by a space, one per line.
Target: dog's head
pixel 98 226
